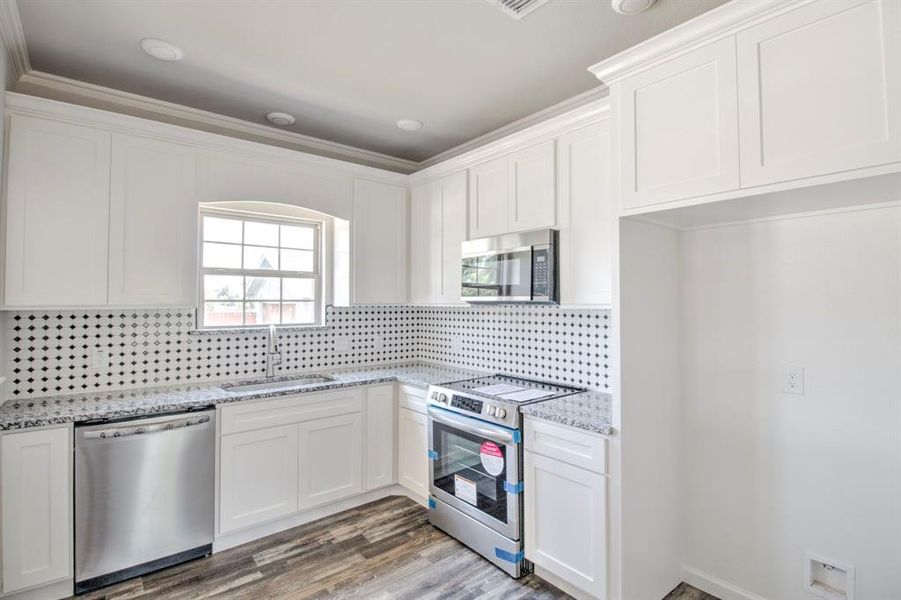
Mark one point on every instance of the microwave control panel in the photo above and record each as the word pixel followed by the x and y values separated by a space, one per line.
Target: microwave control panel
pixel 541 270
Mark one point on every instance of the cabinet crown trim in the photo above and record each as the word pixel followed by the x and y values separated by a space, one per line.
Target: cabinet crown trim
pixel 708 27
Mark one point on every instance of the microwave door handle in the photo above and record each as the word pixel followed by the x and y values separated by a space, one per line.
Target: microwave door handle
pixel 501 436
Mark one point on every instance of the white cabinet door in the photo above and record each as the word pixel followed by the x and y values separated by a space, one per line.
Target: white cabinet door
pixel 586 216
pixel 412 449
pixel 57 214
pixel 426 242
pixel 566 522
pixel 678 127
pixel 489 199
pixel 453 231
pixel 331 459
pixel 257 476
pixel 532 188
pixel 820 90
pixel 380 439
pixel 36 495
pixel 380 243
pixel 153 223
pixel 232 178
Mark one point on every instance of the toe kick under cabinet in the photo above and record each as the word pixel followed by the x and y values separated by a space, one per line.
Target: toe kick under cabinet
pixel 565 487
pixel 280 457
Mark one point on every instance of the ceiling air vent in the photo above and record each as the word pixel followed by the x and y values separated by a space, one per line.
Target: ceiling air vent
pixel 517 8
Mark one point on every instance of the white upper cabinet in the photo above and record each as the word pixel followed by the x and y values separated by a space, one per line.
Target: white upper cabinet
pixel 515 192
pixel 820 90
pixel 532 191
pixel 489 185
pixel 586 216
pixel 235 178
pixel 678 127
pixel 379 243
pixel 438 229
pixel 153 223
pixel 57 214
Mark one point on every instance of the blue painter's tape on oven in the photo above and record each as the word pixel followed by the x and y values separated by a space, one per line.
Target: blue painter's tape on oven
pixel 509 556
pixel 433 455
pixel 517 436
pixel 513 488
pixel 431 504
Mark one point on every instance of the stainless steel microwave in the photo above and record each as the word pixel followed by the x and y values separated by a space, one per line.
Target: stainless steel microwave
pixel 515 267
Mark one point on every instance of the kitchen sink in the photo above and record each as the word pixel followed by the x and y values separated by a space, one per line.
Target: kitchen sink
pixel 281 383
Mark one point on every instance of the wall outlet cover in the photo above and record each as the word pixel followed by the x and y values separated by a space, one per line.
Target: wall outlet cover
pixel 828 578
pixel 792 380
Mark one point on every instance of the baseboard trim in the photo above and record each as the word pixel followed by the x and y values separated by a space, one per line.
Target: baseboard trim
pixel 236 538
pixel 562 584
pixel 716 586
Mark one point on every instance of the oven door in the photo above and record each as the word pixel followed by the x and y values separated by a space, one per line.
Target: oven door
pixel 475 468
pixel 504 276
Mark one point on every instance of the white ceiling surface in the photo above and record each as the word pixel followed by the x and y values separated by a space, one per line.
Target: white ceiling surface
pixel 347 69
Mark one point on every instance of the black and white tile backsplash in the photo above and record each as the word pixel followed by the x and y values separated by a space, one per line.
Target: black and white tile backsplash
pixel 56 352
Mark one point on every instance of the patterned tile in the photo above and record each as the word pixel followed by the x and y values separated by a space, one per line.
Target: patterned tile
pixel 50 352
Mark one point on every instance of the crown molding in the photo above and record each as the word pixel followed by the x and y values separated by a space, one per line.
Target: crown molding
pixel 545 129
pixel 593 95
pixel 708 27
pixel 79 92
pixel 14 37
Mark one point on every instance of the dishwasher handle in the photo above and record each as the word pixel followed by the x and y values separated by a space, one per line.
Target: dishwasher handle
pixel 133 430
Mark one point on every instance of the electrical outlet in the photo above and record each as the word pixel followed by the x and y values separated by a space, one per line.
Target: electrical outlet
pixel 377 342
pixel 342 344
pixel 99 358
pixel 793 380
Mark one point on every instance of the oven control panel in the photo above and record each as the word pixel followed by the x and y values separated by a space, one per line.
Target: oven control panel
pixel 472 406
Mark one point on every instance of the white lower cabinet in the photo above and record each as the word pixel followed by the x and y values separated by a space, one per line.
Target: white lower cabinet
pixel 258 476
pixel 36 494
pixel 380 420
pixel 331 459
pixel 412 449
pixel 566 513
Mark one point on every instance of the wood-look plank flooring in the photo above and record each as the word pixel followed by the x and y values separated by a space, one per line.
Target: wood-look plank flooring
pixel 383 550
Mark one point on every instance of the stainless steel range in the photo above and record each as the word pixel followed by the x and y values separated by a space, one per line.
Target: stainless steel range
pixel 475 471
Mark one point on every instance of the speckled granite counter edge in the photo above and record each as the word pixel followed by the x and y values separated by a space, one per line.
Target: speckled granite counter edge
pixel 588 411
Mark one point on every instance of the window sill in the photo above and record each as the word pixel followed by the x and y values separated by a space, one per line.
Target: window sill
pixel 261 330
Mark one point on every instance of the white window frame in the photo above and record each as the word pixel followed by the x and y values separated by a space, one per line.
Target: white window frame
pixel 245 216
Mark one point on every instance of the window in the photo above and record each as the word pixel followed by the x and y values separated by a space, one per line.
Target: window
pixel 258 271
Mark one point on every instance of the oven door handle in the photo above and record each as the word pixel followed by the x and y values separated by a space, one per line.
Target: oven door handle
pixel 501 435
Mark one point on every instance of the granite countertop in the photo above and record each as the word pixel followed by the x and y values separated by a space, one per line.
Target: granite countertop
pixel 587 410
pixel 78 408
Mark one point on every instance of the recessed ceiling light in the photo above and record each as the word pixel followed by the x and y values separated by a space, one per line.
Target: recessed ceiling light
pixel 631 7
pixel 281 119
pixel 161 49
pixel 409 124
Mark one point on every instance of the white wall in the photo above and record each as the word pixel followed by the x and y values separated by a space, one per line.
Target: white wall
pixel 769 476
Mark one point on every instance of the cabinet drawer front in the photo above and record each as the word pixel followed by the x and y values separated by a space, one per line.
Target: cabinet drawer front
pixel 292 409
pixel 566 444
pixel 413 398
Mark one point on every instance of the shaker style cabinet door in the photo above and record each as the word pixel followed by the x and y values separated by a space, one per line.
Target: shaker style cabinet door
pixel 586 216
pixel 36 495
pixel 678 127
pixel 453 232
pixel 379 243
pixel 426 234
pixel 153 223
pixel 412 449
pixel 532 188
pixel 258 476
pixel 820 90
pixel 566 522
pixel 331 459
pixel 57 214
pixel 489 187
pixel 380 441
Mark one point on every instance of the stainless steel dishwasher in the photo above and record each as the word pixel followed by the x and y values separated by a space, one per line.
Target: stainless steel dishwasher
pixel 143 496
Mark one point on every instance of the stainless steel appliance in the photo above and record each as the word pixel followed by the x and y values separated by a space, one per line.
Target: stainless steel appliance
pixel 475 472
pixel 516 267
pixel 143 496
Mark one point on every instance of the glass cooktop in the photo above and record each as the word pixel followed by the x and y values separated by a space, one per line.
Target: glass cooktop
pixel 511 389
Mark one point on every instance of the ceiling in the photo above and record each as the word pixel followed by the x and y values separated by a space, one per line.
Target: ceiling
pixel 346 69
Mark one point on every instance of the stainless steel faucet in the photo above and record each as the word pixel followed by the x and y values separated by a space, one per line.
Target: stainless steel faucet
pixel 273 356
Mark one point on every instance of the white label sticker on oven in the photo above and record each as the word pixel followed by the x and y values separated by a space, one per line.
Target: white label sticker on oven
pixel 465 490
pixel 492 458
